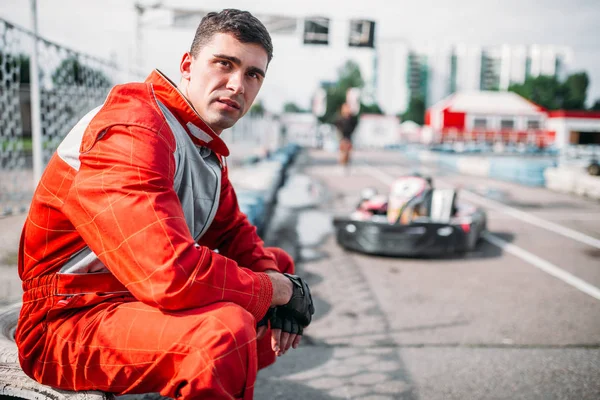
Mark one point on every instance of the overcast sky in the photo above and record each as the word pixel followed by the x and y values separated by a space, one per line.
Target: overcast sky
pixel 106 28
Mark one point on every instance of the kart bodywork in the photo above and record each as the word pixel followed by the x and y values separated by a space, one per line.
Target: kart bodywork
pixel 414 219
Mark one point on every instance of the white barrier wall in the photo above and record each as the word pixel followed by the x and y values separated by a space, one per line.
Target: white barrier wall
pixel 377 131
pixel 573 180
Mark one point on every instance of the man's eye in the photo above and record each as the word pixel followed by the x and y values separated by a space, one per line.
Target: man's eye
pixel 224 63
pixel 255 75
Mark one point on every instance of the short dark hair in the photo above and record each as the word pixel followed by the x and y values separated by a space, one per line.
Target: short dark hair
pixel 244 26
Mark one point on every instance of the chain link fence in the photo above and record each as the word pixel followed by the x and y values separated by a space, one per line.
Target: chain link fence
pixel 70 84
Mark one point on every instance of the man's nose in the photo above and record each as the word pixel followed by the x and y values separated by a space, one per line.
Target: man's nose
pixel 236 83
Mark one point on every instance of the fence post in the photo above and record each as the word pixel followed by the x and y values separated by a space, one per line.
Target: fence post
pixel 36 121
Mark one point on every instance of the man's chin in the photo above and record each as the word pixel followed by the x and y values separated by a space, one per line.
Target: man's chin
pixel 222 122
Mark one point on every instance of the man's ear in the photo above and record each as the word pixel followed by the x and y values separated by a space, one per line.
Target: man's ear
pixel 185 67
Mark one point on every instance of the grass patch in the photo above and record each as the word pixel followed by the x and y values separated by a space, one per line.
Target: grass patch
pixel 14 144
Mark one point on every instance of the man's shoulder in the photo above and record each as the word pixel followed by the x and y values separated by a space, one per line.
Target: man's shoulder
pixel 131 104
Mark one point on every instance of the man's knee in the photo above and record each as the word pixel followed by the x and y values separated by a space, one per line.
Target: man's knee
pixel 228 347
pixel 237 325
pixel 284 261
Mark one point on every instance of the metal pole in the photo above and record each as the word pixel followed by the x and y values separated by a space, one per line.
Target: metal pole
pixel 36 120
pixel 139 58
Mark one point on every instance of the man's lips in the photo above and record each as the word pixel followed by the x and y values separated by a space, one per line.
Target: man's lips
pixel 230 103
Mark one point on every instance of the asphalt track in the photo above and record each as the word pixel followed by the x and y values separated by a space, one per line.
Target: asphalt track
pixel 519 318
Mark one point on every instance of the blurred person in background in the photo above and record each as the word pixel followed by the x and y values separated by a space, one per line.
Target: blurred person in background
pixel 123 289
pixel 345 123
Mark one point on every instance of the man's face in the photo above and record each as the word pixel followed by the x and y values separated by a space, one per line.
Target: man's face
pixel 223 79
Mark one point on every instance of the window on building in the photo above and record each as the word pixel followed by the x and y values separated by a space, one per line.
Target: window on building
pixel 453 72
pixel 489 78
pixel 533 124
pixel 507 123
pixel 480 123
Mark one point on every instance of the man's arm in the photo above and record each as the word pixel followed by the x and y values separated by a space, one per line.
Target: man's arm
pixel 123 204
pixel 235 236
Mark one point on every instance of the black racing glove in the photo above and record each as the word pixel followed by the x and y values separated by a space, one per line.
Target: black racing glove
pixel 300 307
pixel 265 320
pixel 294 316
pixel 281 319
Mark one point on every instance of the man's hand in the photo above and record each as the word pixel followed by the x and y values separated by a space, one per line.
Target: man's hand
pixel 290 318
pixel 286 331
pixel 282 293
pixel 263 324
pixel 300 307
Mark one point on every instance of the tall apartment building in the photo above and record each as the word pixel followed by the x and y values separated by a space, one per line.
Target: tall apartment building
pixel 436 72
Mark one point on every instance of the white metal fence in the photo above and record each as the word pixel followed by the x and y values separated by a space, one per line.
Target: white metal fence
pixel 69 84
pixel 36 114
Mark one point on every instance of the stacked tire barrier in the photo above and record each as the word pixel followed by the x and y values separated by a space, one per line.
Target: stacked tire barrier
pixel 14 384
pixel 256 184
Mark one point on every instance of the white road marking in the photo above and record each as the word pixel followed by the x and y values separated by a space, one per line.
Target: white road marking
pixel 531 258
pixel 499 215
pixel 533 220
pixel 544 265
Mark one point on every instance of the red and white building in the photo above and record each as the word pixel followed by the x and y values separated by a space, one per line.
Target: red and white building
pixel 574 127
pixel 488 116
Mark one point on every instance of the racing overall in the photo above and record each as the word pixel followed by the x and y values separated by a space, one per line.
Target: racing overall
pixel 123 289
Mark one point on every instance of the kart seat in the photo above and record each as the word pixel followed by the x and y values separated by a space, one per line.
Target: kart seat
pixel 443 205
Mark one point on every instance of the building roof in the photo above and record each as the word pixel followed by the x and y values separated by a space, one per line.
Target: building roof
pixel 488 102
pixel 574 114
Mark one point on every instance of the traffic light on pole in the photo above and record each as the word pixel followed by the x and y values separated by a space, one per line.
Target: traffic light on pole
pixel 362 33
pixel 316 30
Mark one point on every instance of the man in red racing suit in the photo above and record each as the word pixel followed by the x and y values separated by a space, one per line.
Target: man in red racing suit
pixel 123 291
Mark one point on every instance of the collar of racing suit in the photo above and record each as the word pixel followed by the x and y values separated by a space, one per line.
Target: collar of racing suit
pixel 200 133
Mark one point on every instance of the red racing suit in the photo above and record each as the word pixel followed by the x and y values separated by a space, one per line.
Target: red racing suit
pixel 123 291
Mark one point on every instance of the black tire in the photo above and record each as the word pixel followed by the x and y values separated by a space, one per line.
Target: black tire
pixel 14 384
pixel 594 169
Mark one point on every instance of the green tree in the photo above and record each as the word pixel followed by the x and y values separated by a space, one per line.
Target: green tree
pixel 575 91
pixel 72 72
pixel 349 76
pixel 257 109
pixel 595 106
pixel 415 111
pixel 550 93
pixel 292 108
pixel 370 109
pixel 543 90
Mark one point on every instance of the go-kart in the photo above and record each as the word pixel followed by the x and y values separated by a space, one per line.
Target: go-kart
pixel 414 219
